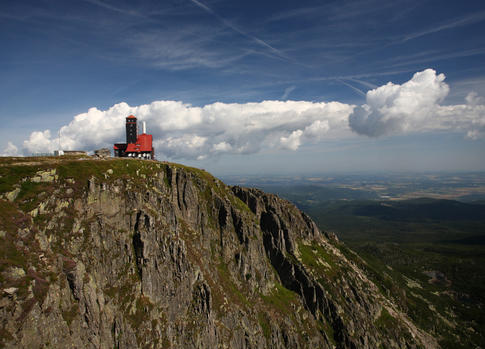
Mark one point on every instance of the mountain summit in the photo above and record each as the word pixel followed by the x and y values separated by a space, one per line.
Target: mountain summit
pixel 128 253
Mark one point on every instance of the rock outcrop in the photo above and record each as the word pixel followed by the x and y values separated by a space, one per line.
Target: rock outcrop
pixel 126 253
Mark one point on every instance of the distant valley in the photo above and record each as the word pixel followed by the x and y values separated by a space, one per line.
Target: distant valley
pixel 466 187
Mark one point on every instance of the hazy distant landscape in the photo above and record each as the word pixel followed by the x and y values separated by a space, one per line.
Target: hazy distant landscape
pixel 315 189
pixel 421 237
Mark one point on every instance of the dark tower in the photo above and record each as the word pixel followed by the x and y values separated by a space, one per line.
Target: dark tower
pixel 136 146
pixel 131 129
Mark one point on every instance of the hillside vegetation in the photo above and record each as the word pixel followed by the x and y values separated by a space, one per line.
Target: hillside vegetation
pixel 428 255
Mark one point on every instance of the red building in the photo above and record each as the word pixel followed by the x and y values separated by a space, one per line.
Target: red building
pixel 136 146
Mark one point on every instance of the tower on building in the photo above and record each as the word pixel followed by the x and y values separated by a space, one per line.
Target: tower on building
pixel 131 129
pixel 136 146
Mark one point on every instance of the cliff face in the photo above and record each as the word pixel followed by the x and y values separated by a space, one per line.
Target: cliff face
pixel 125 253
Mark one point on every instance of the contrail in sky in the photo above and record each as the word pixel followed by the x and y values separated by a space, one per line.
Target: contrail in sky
pixel 359 91
pixel 114 8
pixel 237 30
pixel 477 17
pixel 365 83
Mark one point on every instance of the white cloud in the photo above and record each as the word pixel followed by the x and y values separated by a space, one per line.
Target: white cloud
pixel 468 118
pixel 182 131
pixel 473 99
pixel 293 141
pixel 10 150
pixel 39 142
pixel 415 107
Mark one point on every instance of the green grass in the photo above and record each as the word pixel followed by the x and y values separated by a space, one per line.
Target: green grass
pixel 386 321
pixel 239 204
pixel 265 326
pixel 29 196
pixel 316 257
pixel 281 299
pixel 82 170
pixel 11 175
pixel 230 287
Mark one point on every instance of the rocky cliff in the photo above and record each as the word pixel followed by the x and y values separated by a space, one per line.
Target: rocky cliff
pixel 140 254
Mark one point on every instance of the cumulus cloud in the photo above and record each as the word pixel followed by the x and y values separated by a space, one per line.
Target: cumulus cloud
pixel 39 142
pixel 395 108
pixel 10 150
pixel 473 99
pixel 415 107
pixel 468 118
pixel 184 131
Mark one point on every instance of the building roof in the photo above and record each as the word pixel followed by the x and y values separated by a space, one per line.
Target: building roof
pixel 143 144
pixel 119 146
pixel 131 117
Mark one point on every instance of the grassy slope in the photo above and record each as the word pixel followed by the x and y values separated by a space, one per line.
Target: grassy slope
pixel 400 241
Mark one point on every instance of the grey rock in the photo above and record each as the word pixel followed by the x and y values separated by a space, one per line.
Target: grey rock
pixel 177 259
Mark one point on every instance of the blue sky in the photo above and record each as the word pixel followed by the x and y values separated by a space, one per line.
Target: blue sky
pixel 61 58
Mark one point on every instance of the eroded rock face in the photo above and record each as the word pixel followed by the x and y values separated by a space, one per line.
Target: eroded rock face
pixel 130 254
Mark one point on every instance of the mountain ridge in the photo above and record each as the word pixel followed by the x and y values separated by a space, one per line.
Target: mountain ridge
pixel 128 253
